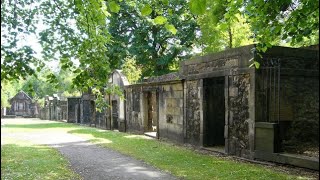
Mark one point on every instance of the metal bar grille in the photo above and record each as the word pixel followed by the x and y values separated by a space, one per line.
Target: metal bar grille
pixel 271 76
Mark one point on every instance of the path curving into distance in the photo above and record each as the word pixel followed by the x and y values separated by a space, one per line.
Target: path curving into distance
pixel 90 161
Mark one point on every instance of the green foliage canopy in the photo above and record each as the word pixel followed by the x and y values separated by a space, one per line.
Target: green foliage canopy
pixel 155 33
pixel 71 31
pixel 8 90
pixel 271 22
pixel 99 34
pixel 131 70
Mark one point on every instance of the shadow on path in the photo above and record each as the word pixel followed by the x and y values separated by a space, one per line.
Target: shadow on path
pixel 94 162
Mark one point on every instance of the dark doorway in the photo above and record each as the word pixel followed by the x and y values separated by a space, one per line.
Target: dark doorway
pixel 214 112
pixel 77 113
pixel 86 109
pixel 115 114
pixel 151 116
pixel 152 112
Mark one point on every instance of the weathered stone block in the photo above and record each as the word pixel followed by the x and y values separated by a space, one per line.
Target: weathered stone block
pixel 174 111
pixel 267 137
pixel 166 88
pixel 179 102
pixel 177 87
pixel 226 131
pixel 180 120
pixel 169 102
pixel 233 91
pixel 178 94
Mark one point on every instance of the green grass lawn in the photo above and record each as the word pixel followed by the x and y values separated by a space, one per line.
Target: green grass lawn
pixel 177 160
pixel 24 160
pixel 180 161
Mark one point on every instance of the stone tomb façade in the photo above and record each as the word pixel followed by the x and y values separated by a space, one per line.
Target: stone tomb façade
pixel 208 103
pixel 54 108
pixel 22 105
pixel 217 101
pixel 82 109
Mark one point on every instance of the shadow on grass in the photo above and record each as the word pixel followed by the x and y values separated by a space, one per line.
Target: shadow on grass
pixel 41 125
pixel 98 134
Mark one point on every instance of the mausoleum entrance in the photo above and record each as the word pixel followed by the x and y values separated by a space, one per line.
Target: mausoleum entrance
pixel 214 112
pixel 115 114
pixel 151 113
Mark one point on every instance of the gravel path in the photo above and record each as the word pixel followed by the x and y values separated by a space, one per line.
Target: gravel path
pixel 90 161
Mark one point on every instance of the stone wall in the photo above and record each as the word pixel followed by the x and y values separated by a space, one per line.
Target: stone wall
pixel 21 105
pixel 238 115
pixel 171 122
pixel 193 112
pixel 217 64
pixel 233 65
pixel 43 113
pixel 54 109
pixel 133 114
pixel 168 109
pixel 291 98
pixel 293 59
pixel 101 120
pixel 301 95
pixel 87 109
pixel 47 113
pixel 116 112
pixel 63 110
pixel 73 110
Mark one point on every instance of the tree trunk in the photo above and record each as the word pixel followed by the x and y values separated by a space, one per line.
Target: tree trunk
pixel 230 37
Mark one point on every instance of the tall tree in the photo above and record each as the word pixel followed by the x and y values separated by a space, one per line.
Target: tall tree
pixel 291 21
pixel 8 90
pixel 17 20
pixel 78 30
pixel 131 70
pixel 218 35
pixel 156 34
pixel 37 86
pixel 70 31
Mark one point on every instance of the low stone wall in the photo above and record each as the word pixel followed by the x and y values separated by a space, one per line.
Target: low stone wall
pixel 171 110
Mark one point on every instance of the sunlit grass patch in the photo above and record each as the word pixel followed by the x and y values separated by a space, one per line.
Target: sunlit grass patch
pixel 137 137
pixel 180 161
pixel 24 160
pixel 36 125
